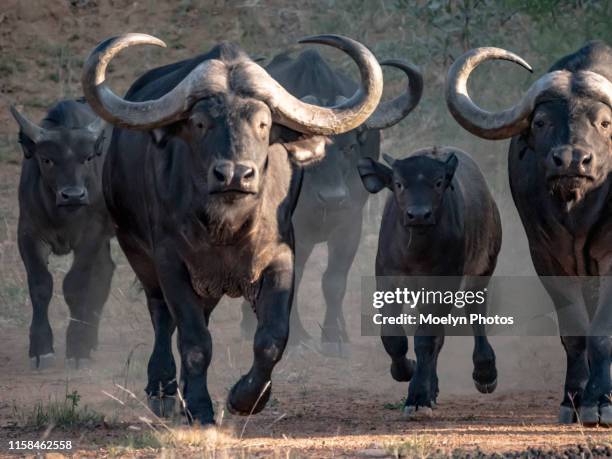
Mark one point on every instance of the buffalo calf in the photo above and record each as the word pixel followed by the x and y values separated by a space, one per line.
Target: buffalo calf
pixel 61 210
pixel 441 220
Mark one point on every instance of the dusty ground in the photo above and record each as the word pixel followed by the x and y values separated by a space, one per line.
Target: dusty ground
pixel 320 407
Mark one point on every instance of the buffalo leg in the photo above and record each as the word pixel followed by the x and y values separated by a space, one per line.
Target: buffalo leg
pixel 161 369
pixel 251 393
pixel 483 356
pixel 298 333
pixel 40 284
pixel 597 399
pixel 435 388
pixel 395 343
pixel 428 342
pixel 86 288
pixel 195 341
pixel 342 247
pixel 248 324
pixel 566 295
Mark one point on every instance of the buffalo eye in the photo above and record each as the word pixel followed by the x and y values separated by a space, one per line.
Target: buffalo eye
pixel 539 124
pixel 399 185
pixel 439 183
pixel 199 123
pixel 605 124
pixel 89 158
pixel 46 161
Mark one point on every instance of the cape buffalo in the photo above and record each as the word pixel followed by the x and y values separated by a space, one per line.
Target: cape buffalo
pixel 440 220
pixel 201 182
pixel 330 208
pixel 559 163
pixel 61 210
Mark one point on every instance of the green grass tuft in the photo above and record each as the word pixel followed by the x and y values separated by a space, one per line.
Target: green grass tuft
pixel 59 414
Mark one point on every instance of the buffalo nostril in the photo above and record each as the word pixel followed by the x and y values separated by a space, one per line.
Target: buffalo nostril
pixel 410 215
pixel 219 174
pixel 587 159
pixel 249 174
pixel 427 215
pixel 73 194
pixel 557 160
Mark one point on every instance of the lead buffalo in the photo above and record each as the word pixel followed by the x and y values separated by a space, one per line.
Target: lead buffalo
pixel 202 199
pixel 330 208
pixel 61 210
pixel 559 164
pixel 440 220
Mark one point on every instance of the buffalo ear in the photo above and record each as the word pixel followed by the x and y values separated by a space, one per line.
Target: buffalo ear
pixel 451 166
pixel 308 150
pixel 375 176
pixel 522 144
pixel 27 145
pixel 100 143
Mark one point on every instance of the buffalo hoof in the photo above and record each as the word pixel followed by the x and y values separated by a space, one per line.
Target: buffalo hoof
pixel 42 362
pixel 244 401
pixel 486 388
pixel 162 407
pixel 403 370
pixel 589 416
pixel 605 415
pixel 567 415
pixel 417 412
pixel 336 350
pixel 78 363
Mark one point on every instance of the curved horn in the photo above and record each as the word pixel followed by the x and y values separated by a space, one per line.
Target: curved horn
pixel 32 130
pixel 312 119
pixel 505 123
pixel 594 85
pixel 392 112
pixel 147 115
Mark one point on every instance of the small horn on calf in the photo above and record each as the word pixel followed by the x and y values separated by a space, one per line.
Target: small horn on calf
pixel 33 131
pixel 505 123
pixel 392 112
